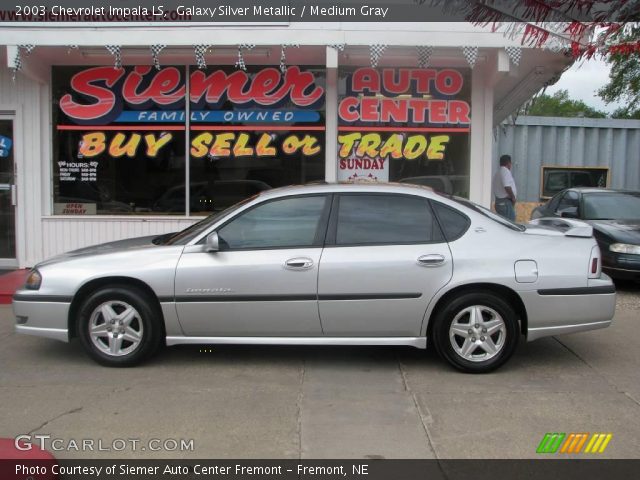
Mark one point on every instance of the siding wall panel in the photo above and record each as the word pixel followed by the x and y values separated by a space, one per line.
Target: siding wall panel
pixel 580 142
pixel 23 97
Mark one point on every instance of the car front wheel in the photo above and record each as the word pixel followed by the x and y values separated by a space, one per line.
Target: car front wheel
pixel 118 326
pixel 476 332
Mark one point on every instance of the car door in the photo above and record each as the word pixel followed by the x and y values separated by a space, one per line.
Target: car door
pixel 384 259
pixel 263 279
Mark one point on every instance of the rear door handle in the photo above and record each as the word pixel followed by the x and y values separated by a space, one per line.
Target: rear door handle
pixel 299 263
pixel 433 260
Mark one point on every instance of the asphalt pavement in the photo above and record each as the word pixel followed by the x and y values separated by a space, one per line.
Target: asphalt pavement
pixel 324 402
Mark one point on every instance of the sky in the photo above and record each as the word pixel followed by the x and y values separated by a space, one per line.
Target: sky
pixel 583 80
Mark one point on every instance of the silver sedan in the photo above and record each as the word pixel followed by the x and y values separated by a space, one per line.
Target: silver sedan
pixel 328 265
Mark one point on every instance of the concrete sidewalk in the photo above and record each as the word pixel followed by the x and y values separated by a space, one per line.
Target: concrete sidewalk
pixel 329 402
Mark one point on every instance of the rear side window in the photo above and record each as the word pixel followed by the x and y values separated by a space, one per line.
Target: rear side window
pixel 453 223
pixel 385 219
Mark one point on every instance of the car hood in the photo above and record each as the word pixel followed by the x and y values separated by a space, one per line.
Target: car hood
pixel 623 231
pixel 137 243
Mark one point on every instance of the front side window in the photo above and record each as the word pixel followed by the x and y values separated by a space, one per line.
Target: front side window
pixel 185 236
pixel 385 219
pixel 570 200
pixel 553 203
pixel 290 222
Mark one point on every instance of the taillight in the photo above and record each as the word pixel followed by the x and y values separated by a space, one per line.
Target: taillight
pixel 595 265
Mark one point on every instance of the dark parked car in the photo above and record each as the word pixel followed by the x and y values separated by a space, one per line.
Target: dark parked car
pixel 615 217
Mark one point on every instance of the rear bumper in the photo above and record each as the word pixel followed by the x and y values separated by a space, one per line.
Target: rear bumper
pixel 570 310
pixel 535 333
pixel 43 319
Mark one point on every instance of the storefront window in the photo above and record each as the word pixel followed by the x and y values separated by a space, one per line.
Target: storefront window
pixel 252 131
pixel 119 136
pixel 405 125
pixel 118 139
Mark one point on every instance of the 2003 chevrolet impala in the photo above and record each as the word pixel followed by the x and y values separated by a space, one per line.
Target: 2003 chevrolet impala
pixel 328 265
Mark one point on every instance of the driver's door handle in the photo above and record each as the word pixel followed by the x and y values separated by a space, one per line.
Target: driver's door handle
pixel 433 260
pixel 298 263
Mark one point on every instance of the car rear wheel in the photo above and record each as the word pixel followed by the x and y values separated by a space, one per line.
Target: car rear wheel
pixel 118 326
pixel 476 332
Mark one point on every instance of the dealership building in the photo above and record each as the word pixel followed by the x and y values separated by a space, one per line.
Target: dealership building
pixel 110 131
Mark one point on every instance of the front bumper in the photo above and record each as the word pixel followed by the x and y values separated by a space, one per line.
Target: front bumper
pixel 42 316
pixel 560 311
pixel 621 265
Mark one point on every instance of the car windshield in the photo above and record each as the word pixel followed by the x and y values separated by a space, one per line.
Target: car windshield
pixel 189 233
pixel 612 206
pixel 487 213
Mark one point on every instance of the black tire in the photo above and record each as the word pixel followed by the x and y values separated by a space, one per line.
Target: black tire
pixel 444 344
pixel 147 320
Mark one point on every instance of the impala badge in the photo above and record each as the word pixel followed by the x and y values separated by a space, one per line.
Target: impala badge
pixel 209 290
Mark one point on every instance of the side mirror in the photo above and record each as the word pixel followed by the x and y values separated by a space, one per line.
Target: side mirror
pixel 212 243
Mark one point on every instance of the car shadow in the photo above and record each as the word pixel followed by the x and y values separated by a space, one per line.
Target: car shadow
pixel 287 354
pixel 528 356
pixel 627 286
pixel 541 354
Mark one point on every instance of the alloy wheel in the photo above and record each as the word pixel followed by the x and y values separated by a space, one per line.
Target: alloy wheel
pixel 477 333
pixel 115 328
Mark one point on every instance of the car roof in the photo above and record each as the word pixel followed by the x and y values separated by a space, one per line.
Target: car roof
pixel 406 188
pixel 601 190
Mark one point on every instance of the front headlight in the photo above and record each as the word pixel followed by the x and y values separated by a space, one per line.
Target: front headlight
pixel 625 248
pixel 33 280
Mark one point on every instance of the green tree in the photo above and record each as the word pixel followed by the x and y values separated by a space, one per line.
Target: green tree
pixel 624 77
pixel 624 112
pixel 560 105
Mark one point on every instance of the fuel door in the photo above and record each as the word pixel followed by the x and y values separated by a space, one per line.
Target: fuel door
pixel 526 271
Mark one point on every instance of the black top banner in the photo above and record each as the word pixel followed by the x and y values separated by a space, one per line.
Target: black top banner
pixel 284 11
